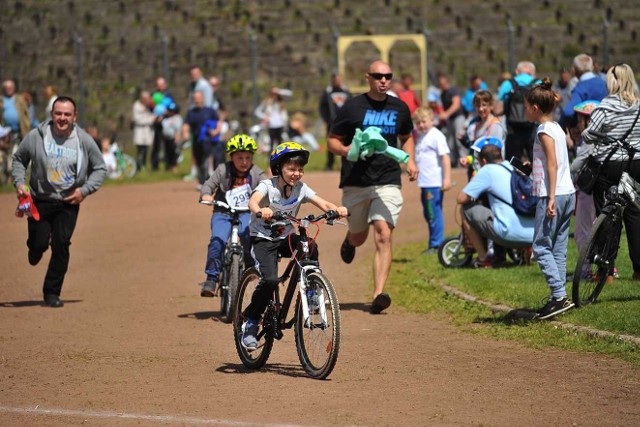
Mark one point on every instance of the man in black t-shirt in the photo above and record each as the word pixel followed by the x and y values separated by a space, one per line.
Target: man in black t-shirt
pixel 371 187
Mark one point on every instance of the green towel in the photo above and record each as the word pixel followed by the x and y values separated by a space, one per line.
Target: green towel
pixel 369 142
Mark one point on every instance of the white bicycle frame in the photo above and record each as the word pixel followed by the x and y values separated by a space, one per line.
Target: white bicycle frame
pixel 302 281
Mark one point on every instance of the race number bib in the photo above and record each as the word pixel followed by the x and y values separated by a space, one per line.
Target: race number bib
pixel 239 197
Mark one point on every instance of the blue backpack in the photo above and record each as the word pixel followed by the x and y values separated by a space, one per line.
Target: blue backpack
pixel 523 200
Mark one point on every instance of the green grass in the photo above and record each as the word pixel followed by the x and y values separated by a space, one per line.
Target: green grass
pixel 414 284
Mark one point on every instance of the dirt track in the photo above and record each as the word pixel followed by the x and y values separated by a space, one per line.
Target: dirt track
pixel 136 345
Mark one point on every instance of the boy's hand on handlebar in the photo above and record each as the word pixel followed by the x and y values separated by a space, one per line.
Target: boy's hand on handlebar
pixel 206 198
pixel 265 213
pixel 343 211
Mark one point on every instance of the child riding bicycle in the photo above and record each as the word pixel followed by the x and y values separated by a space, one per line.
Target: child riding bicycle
pixel 231 182
pixel 284 192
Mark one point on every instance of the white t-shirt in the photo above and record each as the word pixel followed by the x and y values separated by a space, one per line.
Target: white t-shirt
pixel 274 199
pixel 564 185
pixel 112 165
pixel 429 150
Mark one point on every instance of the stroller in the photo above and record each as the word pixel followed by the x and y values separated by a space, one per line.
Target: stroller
pixel 457 251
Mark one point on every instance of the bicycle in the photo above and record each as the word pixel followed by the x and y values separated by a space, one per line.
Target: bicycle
pixel 233 261
pixel 316 320
pixel 125 164
pixel 596 260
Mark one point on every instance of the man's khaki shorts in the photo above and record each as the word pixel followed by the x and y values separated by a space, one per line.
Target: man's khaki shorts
pixel 368 204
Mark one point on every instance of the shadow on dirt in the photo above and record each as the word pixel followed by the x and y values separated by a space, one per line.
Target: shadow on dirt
pixel 216 316
pixel 519 315
pixel 347 306
pixel 32 303
pixel 276 368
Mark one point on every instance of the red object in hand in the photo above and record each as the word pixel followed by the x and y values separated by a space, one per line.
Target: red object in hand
pixel 26 206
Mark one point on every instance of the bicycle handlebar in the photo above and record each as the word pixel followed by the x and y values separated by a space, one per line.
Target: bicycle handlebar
pixel 223 205
pixel 281 216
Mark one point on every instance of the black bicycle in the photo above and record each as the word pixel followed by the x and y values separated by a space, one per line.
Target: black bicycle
pixel 233 261
pixel 316 319
pixel 597 258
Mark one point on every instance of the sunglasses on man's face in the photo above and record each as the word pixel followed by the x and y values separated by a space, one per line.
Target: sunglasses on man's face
pixel 379 76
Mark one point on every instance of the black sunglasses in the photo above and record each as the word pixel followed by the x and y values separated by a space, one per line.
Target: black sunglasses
pixel 379 76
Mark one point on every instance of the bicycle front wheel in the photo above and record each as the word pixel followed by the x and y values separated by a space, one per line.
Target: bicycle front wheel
pixel 318 337
pixel 596 261
pixel 257 358
pixel 233 278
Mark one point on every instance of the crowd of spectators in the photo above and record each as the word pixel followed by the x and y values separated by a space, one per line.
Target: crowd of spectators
pixel 471 128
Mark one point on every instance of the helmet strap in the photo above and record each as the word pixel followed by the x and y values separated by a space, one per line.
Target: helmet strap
pixel 286 188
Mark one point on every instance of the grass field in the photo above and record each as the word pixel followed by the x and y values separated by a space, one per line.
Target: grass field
pixel 415 280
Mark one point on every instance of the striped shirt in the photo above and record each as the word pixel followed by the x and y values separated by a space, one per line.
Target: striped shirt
pixel 613 117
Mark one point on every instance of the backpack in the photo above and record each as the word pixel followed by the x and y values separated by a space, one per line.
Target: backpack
pixel 523 200
pixel 514 105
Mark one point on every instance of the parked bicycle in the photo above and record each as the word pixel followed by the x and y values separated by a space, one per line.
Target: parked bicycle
pixel 596 261
pixel 316 319
pixel 125 165
pixel 233 261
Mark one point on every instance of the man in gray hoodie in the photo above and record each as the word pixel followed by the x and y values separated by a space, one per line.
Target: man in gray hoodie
pixel 66 166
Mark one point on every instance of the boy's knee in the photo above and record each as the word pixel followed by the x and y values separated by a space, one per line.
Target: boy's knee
pixel 268 283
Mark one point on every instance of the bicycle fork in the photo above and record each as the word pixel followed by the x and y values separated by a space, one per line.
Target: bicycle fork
pixel 311 299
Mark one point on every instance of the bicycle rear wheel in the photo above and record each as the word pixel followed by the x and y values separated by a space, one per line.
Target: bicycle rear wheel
pixel 596 261
pixel 453 254
pixel 233 278
pixel 318 339
pixel 257 358
pixel 129 167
